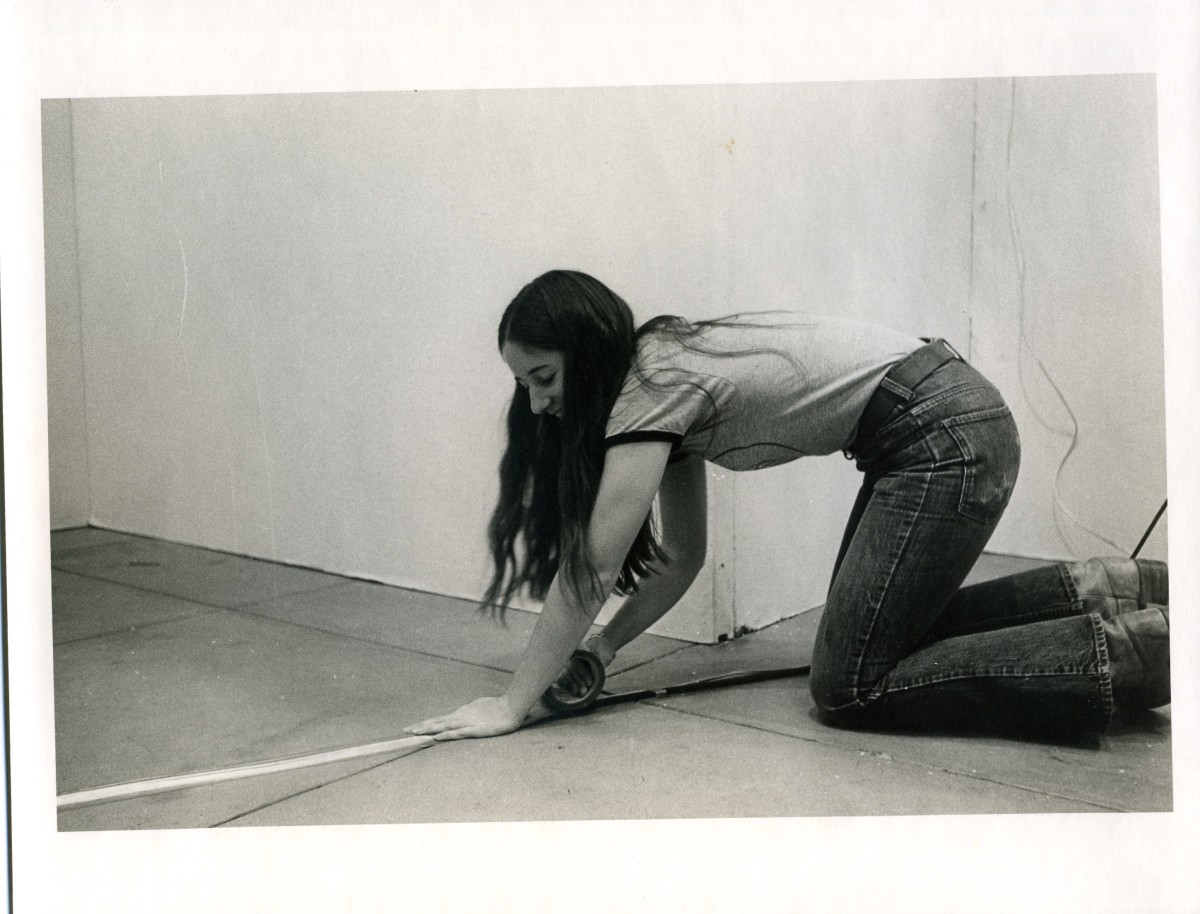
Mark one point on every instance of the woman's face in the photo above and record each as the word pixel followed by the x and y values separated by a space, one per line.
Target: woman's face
pixel 541 372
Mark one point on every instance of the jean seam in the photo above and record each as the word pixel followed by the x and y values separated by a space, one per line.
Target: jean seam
pixel 1087 670
pixel 917 409
pixel 1068 581
pixel 923 406
pixel 969 459
pixel 968 472
pixel 981 415
pixel 911 519
pixel 1105 665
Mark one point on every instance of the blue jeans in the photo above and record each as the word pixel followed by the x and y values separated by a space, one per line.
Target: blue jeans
pixel 900 644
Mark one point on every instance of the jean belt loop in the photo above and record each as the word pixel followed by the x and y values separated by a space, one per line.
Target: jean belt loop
pixel 901 382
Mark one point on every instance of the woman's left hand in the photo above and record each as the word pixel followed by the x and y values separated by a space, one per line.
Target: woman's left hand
pixel 482 717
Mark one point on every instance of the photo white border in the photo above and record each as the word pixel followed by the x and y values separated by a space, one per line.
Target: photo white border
pixel 93 48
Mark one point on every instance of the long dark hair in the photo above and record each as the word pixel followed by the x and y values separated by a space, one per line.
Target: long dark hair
pixel 551 467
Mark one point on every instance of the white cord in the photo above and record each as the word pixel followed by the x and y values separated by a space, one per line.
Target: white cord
pixel 1024 346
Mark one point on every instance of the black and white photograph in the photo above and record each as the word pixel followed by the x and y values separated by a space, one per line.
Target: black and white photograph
pixel 605 463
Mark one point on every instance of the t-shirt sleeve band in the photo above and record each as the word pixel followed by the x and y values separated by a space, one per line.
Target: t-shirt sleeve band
pixel 674 438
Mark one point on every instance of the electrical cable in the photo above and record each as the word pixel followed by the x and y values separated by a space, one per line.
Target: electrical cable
pixel 736 677
pixel 584 663
pixel 1024 346
pixel 1149 530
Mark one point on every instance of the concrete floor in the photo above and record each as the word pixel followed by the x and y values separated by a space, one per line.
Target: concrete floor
pixel 170 659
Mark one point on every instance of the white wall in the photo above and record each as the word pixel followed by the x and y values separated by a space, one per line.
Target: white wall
pixel 288 302
pixel 849 200
pixel 890 203
pixel 1067 194
pixel 69 497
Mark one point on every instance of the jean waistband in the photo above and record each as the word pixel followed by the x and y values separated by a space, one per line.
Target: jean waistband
pixel 900 382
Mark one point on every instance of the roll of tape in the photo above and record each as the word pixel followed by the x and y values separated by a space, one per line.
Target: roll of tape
pixel 566 702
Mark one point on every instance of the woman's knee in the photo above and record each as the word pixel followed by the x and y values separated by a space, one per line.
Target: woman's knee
pixel 831 690
pixel 836 706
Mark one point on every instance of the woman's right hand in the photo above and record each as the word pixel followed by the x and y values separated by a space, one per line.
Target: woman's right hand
pixel 482 717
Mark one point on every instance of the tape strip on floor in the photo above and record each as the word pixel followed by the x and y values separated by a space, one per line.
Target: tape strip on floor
pixel 200 778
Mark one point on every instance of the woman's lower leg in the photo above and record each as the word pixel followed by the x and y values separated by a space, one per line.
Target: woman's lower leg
pixel 1108 586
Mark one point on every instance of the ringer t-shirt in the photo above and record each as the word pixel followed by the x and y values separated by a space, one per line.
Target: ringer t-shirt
pixel 757 391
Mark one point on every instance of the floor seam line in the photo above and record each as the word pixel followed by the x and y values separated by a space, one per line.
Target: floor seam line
pixel 298 593
pixel 346 578
pixel 211 550
pixel 361 640
pixel 248 611
pixel 139 589
pixel 300 793
pixel 253 609
pixel 160 593
pixel 905 760
pixel 197 614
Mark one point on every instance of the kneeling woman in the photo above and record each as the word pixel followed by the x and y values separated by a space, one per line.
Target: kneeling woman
pixel 606 418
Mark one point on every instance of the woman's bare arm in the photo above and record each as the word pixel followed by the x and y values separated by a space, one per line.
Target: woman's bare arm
pixel 683 530
pixel 632 476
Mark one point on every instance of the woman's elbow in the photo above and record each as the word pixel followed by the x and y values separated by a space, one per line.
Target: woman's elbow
pixel 685 565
